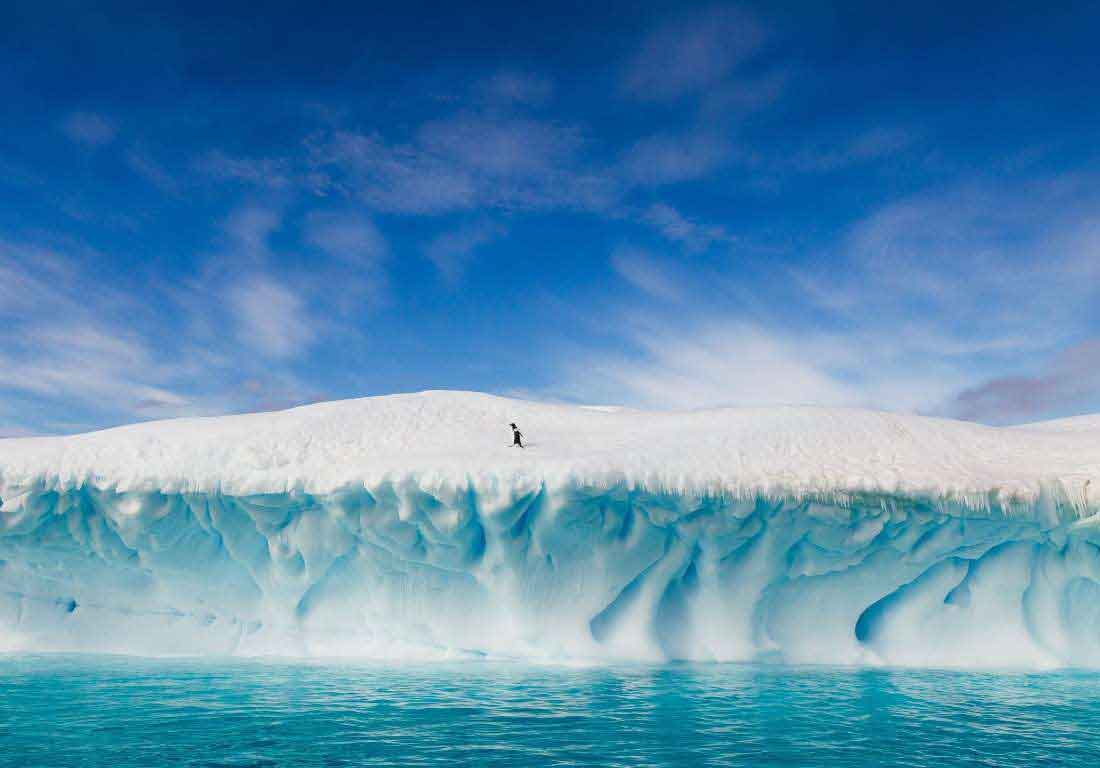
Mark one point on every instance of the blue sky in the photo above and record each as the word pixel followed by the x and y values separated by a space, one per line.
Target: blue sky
pixel 214 209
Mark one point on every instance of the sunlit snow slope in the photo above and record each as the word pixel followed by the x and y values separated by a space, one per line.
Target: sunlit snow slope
pixel 406 527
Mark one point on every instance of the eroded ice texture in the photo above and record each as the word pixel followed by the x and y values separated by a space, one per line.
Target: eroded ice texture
pixel 405 526
pixel 581 572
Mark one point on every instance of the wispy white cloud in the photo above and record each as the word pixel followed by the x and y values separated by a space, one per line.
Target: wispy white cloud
pixel 452 251
pixel 515 147
pixel 666 159
pixel 846 151
pixel 143 164
pixel 358 253
pixel 271 318
pixel 692 53
pixel 266 172
pixel 644 272
pixel 77 346
pixel 349 236
pixel 398 179
pixel 463 162
pixel 94 351
pixel 697 367
pixel 710 359
pixel 694 235
pixel 283 298
pixel 248 229
pixel 973 302
pixel 89 129
pixel 93 359
pixel 990 260
pixel 977 280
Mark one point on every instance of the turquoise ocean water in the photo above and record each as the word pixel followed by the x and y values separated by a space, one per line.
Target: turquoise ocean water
pixel 116 711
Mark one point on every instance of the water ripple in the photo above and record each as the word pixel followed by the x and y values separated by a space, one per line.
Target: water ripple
pixel 104 711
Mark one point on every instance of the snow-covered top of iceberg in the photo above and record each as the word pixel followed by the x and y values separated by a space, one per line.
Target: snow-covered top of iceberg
pixel 442 437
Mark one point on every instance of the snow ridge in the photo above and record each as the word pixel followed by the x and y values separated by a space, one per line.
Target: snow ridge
pixel 459 439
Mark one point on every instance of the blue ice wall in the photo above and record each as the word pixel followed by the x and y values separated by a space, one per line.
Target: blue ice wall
pixel 398 571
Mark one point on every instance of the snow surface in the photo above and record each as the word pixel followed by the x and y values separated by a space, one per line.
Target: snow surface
pixel 406 527
pixel 456 438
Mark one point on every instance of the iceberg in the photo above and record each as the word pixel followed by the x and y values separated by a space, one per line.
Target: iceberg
pixel 406 527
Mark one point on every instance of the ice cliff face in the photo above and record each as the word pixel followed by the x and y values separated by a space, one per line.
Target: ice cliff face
pixel 593 559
